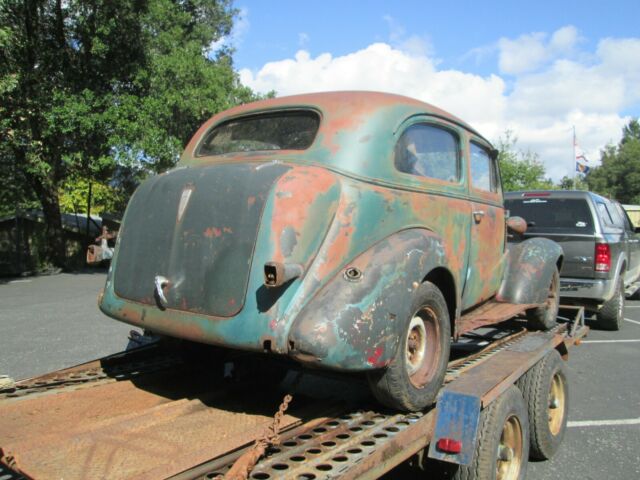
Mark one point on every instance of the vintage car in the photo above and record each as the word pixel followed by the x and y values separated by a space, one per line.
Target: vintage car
pixel 353 231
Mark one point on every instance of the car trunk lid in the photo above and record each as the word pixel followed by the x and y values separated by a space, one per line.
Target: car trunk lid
pixel 196 229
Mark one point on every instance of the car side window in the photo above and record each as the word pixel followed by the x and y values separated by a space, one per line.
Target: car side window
pixel 483 169
pixel 428 151
pixel 605 215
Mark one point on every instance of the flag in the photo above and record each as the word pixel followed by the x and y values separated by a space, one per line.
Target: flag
pixel 581 158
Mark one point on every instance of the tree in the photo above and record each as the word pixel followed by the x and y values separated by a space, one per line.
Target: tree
pixel 520 170
pixel 618 175
pixel 89 88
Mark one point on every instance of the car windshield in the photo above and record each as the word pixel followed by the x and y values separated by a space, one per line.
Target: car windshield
pixel 552 214
pixel 289 130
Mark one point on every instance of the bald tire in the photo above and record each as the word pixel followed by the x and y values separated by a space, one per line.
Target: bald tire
pixel 392 385
pixel 535 386
pixel 612 311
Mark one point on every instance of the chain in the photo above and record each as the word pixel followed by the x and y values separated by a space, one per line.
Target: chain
pixel 242 467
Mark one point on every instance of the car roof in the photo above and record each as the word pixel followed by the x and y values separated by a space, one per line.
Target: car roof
pixel 584 194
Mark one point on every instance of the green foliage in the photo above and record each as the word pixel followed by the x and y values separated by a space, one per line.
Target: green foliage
pixel 520 170
pixel 618 176
pixel 105 91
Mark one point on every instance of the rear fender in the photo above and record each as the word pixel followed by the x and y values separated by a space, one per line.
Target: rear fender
pixel 530 266
pixel 355 321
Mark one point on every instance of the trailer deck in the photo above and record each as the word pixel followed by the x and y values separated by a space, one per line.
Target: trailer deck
pixel 147 413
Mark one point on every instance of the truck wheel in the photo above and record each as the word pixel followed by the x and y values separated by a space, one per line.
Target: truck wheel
pixel 502 448
pixel 612 311
pixel 414 376
pixel 544 317
pixel 546 392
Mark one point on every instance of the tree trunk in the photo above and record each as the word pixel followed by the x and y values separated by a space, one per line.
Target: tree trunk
pixel 55 249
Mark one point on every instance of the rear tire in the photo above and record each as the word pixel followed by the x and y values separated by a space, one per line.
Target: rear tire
pixel 612 311
pixel 502 448
pixel 414 376
pixel 546 391
pixel 544 317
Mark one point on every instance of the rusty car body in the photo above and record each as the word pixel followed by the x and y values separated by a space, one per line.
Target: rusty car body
pixel 315 226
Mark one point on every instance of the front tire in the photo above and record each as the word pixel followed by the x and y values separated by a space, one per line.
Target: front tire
pixel 544 317
pixel 612 311
pixel 414 376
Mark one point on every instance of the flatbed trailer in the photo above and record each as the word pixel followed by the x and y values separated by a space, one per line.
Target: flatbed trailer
pixel 149 413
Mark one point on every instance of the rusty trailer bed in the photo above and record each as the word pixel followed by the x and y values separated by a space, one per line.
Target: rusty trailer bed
pixel 146 414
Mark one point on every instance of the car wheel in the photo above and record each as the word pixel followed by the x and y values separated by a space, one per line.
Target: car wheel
pixel 544 317
pixel 414 376
pixel 612 311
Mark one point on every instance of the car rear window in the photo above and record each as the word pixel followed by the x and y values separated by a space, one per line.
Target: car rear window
pixel 290 130
pixel 553 214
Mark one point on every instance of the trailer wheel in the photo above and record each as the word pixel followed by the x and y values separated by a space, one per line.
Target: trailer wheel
pixel 414 376
pixel 544 318
pixel 612 311
pixel 502 447
pixel 546 392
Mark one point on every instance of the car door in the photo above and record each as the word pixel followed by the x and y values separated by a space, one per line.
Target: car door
pixel 633 243
pixel 487 249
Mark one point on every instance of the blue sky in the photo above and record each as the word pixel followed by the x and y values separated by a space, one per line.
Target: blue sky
pixel 535 68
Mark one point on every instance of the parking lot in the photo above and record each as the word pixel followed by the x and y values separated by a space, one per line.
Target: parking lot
pixel 48 323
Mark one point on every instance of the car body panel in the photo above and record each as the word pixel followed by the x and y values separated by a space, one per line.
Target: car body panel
pixel 318 211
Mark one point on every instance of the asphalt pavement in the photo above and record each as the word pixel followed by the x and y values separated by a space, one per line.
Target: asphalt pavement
pixel 47 323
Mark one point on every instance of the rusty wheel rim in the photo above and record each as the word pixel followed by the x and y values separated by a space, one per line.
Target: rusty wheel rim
pixel 422 347
pixel 509 455
pixel 557 404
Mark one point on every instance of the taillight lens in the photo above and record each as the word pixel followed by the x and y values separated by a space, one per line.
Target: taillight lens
pixel 602 257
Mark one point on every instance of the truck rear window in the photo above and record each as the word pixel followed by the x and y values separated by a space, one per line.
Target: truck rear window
pixel 289 130
pixel 552 214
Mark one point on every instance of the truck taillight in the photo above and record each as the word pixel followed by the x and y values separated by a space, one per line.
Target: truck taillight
pixel 602 257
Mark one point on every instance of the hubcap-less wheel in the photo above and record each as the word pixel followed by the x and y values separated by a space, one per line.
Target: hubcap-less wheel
pixel 509 458
pixel 422 347
pixel 557 404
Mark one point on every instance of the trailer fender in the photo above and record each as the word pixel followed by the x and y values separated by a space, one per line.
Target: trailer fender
pixel 354 322
pixel 530 266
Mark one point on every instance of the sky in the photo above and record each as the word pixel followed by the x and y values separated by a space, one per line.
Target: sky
pixel 536 68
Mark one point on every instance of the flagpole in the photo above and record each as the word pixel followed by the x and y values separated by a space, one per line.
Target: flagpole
pixel 575 169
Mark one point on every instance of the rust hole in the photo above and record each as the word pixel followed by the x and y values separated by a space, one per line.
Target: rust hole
pixel 328 444
pixel 380 435
pixel 356 429
pixel 333 423
pixel 340 458
pixel 280 466
pixel 343 436
pixel 290 443
pixel 368 443
pixel 319 430
pixel 306 476
pixel 298 458
pixel 354 451
pixel 392 429
pixel 314 451
pixel 368 422
pixel 324 467
pixel 261 476
pixel 305 436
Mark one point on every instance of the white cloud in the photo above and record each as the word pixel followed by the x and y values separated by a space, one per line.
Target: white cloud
pixel 529 52
pixel 541 108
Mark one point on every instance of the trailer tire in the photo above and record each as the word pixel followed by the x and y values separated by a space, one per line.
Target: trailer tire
pixel 544 318
pixel 413 378
pixel 502 448
pixel 612 311
pixel 546 392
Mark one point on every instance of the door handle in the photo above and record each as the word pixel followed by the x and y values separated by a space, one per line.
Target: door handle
pixel 477 215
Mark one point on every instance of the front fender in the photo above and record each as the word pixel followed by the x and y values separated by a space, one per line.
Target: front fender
pixel 530 266
pixel 355 323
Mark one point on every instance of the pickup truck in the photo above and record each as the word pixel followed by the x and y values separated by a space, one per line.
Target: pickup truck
pixel 601 247
pixel 352 231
